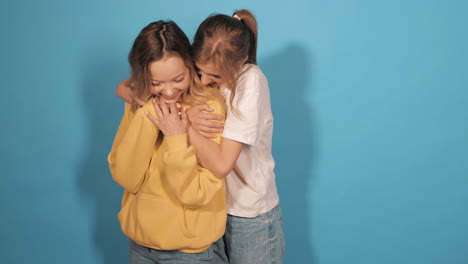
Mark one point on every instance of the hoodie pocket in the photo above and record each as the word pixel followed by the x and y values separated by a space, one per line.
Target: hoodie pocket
pixel 158 223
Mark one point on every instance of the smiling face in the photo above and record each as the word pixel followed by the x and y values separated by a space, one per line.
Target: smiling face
pixel 170 78
pixel 209 75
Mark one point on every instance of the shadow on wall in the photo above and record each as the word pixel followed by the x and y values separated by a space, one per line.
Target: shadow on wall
pixel 103 112
pixel 294 146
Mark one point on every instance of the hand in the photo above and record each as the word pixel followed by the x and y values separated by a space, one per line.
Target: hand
pixel 203 122
pixel 140 102
pixel 124 92
pixel 171 121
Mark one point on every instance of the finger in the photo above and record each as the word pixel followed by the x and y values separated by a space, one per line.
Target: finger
pixel 212 124
pixel 209 116
pixel 164 108
pixel 203 107
pixel 207 135
pixel 210 129
pixel 173 108
pixel 183 115
pixel 156 108
pixel 179 107
pixel 152 118
pixel 139 101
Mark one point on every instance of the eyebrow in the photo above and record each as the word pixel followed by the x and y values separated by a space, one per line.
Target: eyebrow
pixel 154 80
pixel 211 74
pixel 214 75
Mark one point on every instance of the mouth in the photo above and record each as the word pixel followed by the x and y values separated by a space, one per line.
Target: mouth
pixel 170 99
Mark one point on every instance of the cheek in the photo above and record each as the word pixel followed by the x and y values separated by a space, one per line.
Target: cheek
pixel 155 90
pixel 184 85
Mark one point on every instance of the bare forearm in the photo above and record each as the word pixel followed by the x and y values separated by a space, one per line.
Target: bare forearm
pixel 124 92
pixel 218 158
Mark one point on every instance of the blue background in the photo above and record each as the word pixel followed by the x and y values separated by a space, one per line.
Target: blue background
pixel 371 125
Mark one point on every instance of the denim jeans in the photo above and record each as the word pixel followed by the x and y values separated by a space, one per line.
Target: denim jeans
pixel 143 255
pixel 258 240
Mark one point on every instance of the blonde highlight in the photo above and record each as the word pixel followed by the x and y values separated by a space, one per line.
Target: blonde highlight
pixel 229 42
pixel 155 41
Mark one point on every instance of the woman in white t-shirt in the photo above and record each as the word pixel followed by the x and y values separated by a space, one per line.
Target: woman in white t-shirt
pixel 224 51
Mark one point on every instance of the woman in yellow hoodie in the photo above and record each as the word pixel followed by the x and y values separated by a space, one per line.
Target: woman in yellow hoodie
pixel 173 210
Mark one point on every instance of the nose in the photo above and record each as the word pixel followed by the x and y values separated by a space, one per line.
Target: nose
pixel 169 91
pixel 205 79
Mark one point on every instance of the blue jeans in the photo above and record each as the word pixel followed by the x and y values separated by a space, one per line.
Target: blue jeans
pixel 143 255
pixel 258 240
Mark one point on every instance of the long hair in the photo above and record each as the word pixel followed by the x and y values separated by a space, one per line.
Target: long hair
pixel 229 42
pixel 155 41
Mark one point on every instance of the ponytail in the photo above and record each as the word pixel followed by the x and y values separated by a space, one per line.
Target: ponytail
pixel 229 42
pixel 246 17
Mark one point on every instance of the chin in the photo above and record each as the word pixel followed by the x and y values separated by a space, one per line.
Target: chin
pixel 169 101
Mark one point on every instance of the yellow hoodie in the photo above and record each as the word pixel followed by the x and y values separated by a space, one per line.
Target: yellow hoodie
pixel 169 202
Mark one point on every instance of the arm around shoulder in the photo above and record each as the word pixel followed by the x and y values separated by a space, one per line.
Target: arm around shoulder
pixel 219 154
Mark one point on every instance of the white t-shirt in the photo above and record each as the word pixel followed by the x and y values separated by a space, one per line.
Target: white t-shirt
pixel 250 186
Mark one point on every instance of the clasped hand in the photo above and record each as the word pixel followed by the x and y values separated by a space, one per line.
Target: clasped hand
pixel 172 120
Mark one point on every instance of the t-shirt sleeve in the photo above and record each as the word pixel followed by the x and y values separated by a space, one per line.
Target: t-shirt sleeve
pixel 242 123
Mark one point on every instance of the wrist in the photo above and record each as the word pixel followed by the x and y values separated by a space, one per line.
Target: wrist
pixel 191 130
pixel 175 131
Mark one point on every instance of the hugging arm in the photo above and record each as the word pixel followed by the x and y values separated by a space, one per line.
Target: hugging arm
pixel 125 93
pixel 241 127
pixel 218 158
pixel 203 120
pixel 193 185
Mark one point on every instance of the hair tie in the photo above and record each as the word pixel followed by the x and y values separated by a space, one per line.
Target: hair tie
pixel 236 17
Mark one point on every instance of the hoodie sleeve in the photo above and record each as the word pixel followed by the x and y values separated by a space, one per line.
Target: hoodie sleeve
pixel 192 184
pixel 133 147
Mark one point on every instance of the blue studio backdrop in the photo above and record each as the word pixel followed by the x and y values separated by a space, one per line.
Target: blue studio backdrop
pixel 370 102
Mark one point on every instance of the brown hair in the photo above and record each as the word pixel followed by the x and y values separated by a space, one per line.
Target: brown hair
pixel 229 42
pixel 155 41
